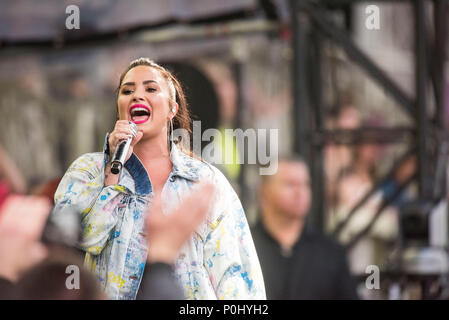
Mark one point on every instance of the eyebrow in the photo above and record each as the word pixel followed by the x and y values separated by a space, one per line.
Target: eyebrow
pixel 133 83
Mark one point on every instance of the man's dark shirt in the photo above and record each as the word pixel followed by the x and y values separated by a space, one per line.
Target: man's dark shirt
pixel 6 289
pixel 315 268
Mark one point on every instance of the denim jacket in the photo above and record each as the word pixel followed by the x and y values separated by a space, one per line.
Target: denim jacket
pixel 219 261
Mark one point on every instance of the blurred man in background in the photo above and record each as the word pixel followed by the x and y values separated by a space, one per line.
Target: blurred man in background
pixel 297 262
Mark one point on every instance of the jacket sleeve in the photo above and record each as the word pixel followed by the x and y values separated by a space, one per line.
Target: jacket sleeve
pixel 229 253
pixel 82 189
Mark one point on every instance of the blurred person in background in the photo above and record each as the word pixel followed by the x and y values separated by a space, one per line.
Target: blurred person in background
pixel 29 143
pixel 339 157
pixel 297 262
pixel 352 184
pixel 11 179
pixel 219 261
pixel 405 170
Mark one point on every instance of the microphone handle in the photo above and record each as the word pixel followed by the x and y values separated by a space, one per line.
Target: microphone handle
pixel 118 160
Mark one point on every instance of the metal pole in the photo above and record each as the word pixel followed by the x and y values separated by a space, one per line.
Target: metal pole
pixel 300 112
pixel 317 156
pixel 421 111
pixel 440 180
pixel 332 31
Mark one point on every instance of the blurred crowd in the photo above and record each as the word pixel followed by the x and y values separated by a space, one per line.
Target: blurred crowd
pixel 66 112
pixel 298 262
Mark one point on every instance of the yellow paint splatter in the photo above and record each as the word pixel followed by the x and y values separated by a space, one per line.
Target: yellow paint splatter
pixel 96 249
pixel 214 225
pixel 189 293
pixel 217 247
pixel 226 294
pixel 87 230
pixel 87 210
pixel 119 188
pixel 116 279
pixel 90 262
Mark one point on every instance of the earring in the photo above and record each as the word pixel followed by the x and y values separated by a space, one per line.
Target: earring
pixel 170 135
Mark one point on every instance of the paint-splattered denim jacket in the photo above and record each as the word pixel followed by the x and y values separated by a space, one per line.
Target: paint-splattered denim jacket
pixel 218 262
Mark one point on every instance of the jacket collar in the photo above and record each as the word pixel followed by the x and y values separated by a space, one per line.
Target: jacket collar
pixel 184 166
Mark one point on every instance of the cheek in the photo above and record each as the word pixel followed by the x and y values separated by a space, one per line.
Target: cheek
pixel 283 197
pixel 160 113
pixel 307 199
pixel 122 105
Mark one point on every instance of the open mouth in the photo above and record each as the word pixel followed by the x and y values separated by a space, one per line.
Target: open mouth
pixel 139 113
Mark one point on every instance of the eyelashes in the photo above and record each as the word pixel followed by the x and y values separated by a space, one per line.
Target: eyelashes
pixel 128 91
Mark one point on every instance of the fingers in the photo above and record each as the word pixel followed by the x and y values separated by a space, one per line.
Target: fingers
pixel 190 213
pixel 167 233
pixel 136 138
pixel 122 131
pixel 198 204
pixel 119 137
pixel 123 126
pixel 156 206
pixel 193 209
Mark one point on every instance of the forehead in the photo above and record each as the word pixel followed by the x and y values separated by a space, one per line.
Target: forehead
pixel 143 73
pixel 289 170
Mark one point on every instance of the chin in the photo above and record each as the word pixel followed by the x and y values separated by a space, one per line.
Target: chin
pixel 297 215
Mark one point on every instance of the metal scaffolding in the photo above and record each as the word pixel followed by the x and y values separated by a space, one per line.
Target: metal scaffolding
pixel 311 25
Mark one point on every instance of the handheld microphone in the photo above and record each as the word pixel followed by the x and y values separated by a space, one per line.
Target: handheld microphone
pixel 118 159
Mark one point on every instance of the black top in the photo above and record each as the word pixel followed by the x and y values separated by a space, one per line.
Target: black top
pixel 315 268
pixel 6 289
pixel 159 283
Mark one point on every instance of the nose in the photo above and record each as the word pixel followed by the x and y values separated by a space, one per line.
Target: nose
pixel 138 94
pixel 136 99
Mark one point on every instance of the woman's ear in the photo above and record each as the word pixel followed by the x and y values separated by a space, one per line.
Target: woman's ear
pixel 174 109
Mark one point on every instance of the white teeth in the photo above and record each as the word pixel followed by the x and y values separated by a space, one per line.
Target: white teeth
pixel 139 109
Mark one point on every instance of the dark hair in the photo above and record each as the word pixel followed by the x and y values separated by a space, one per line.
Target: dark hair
pixel 292 158
pixel 47 280
pixel 182 118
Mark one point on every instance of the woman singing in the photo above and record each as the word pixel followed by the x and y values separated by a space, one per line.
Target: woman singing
pixel 219 261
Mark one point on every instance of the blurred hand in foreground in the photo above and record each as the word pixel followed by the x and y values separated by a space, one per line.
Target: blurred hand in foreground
pixel 22 219
pixel 167 233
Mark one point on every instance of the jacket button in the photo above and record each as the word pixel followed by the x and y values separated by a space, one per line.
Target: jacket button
pixel 172 179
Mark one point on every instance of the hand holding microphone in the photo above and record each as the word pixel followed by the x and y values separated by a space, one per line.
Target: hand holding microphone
pixel 121 142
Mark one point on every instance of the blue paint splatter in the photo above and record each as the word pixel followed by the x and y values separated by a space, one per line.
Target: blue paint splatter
pixel 247 280
pixel 115 235
pixel 70 189
pixel 235 269
pixel 209 262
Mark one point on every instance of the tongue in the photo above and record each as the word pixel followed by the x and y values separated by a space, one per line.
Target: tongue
pixel 140 118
